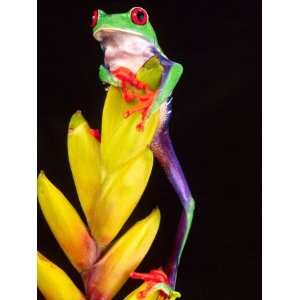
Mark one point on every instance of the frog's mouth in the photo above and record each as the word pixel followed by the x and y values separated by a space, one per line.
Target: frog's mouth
pixel 102 33
pixel 124 48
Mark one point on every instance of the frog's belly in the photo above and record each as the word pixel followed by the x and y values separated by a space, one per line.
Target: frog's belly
pixel 133 63
pixel 124 50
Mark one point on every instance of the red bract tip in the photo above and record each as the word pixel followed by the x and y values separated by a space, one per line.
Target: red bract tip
pixel 96 134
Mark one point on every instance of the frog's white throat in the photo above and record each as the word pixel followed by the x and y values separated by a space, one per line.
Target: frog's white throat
pixel 124 49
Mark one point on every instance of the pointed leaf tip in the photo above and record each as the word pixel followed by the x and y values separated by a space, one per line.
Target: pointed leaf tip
pixel 76 120
pixel 66 225
pixel 113 270
pixel 54 283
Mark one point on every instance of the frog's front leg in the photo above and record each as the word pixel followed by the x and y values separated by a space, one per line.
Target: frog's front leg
pixel 107 77
pixel 121 78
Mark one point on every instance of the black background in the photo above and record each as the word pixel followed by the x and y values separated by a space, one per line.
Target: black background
pixel 216 129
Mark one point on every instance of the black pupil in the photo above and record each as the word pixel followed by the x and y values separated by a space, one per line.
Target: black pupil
pixel 140 15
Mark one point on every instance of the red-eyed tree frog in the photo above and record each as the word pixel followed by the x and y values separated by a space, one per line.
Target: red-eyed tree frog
pixel 129 42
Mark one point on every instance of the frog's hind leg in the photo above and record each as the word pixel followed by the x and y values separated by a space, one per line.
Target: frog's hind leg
pixel 163 150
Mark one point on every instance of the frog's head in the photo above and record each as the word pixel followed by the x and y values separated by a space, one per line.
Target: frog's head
pixel 134 22
pixel 127 39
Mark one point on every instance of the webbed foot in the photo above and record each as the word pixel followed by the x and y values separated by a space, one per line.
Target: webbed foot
pixel 156 280
pixel 134 89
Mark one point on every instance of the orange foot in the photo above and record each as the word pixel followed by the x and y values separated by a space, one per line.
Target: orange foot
pixel 151 279
pixel 145 96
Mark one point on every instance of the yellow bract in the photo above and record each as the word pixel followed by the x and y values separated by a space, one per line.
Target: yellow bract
pixel 123 258
pixel 54 283
pixel 109 195
pixel 126 160
pixel 120 193
pixel 84 158
pixel 121 141
pixel 66 225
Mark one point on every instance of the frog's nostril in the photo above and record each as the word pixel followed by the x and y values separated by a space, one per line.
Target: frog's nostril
pixel 95 17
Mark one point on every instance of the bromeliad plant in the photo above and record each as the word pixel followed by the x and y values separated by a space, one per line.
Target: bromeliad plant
pixel 110 175
pixel 108 188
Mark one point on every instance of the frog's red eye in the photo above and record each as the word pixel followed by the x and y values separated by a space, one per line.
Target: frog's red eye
pixel 139 16
pixel 94 18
